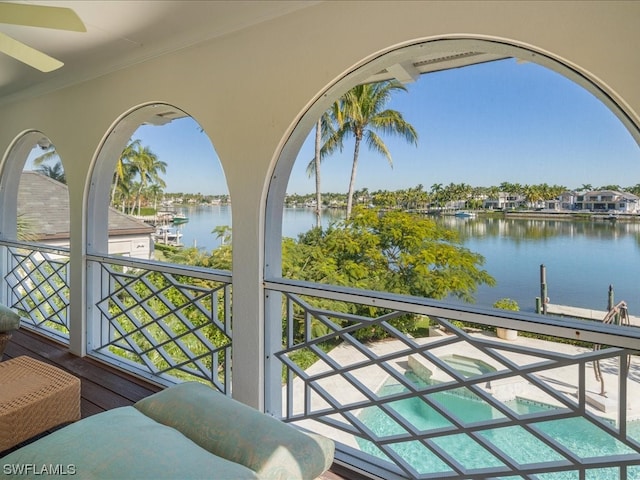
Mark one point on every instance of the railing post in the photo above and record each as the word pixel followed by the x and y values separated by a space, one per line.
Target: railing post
pixel 273 344
pixel 4 269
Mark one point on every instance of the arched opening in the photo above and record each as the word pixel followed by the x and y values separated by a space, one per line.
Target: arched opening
pixel 352 355
pixel 406 65
pixel 159 312
pixel 35 202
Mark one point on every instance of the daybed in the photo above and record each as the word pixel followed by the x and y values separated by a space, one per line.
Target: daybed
pixel 186 431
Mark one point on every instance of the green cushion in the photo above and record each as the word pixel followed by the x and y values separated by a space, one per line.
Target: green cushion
pixel 121 444
pixel 240 433
pixel 9 320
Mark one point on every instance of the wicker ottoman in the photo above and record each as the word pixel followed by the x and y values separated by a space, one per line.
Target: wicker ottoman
pixel 4 341
pixel 34 397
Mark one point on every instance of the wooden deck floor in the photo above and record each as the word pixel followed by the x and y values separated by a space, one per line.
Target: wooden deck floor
pixel 102 387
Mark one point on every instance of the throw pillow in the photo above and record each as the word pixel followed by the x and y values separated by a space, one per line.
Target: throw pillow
pixel 9 320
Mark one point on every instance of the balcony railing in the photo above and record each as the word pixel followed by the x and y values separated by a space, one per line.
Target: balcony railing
pixel 457 402
pixel 460 403
pixel 37 281
pixel 165 322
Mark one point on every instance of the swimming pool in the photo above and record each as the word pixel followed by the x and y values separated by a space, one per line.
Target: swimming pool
pixel 578 435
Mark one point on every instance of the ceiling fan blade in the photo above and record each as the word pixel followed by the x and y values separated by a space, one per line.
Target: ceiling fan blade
pixel 28 55
pixel 60 18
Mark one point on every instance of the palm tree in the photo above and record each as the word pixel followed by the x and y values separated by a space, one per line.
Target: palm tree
pixel 363 115
pixel 326 142
pixel 615 188
pixel 147 166
pixel 53 171
pixel 317 158
pixel 122 172
pixel 48 154
pixel 436 193
pixel 56 171
pixel 533 194
pixel 154 191
pixel 25 229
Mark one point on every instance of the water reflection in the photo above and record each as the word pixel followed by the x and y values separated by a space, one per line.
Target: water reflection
pixel 537 228
pixel 583 257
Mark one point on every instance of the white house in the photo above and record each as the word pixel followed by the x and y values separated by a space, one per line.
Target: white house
pixel 608 201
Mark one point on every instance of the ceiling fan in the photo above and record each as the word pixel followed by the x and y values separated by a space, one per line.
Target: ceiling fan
pixel 59 18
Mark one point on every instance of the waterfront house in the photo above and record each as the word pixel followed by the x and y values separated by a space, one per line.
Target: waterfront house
pixel 43 206
pixel 505 201
pixel 566 201
pixel 608 201
pixel 257 75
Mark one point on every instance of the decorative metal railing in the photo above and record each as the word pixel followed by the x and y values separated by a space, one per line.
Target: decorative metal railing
pixel 452 399
pixel 37 282
pixel 162 321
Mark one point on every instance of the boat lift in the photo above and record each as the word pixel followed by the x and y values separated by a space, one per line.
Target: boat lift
pixel 617 315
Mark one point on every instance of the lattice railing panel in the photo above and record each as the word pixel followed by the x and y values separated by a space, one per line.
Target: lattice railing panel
pixel 174 326
pixel 461 403
pixel 38 285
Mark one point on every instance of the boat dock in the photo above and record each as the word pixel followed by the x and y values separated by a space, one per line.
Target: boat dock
pixel 585 313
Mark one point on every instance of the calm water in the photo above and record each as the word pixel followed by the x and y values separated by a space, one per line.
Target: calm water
pixel 582 258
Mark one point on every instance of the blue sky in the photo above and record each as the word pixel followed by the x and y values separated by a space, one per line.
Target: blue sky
pixel 489 123
pixel 481 125
pixel 192 163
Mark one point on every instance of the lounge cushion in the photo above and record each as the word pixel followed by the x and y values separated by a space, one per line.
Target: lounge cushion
pixel 9 320
pixel 121 444
pixel 240 433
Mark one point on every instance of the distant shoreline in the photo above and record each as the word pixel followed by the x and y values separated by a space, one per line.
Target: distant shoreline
pixel 544 214
pixel 573 215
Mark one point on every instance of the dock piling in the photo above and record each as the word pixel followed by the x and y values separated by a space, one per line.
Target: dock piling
pixel 543 289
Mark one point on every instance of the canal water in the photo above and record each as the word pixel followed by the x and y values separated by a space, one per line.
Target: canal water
pixel 582 258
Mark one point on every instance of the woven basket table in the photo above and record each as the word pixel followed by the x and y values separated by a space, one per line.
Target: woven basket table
pixel 34 397
pixel 4 341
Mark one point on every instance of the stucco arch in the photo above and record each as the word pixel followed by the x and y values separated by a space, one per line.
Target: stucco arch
pixel 98 199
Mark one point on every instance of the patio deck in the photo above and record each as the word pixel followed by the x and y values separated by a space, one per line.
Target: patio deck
pixel 102 387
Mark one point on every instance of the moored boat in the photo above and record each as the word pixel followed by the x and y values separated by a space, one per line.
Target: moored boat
pixel 180 218
pixel 464 214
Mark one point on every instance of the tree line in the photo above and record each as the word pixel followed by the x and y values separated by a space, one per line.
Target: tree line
pixel 439 195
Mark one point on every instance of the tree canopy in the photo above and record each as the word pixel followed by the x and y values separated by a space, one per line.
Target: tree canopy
pixel 391 251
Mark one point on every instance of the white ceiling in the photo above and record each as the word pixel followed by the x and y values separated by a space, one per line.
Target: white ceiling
pixel 124 32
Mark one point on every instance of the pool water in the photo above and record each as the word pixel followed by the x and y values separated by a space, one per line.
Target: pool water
pixel 466 366
pixel 576 434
